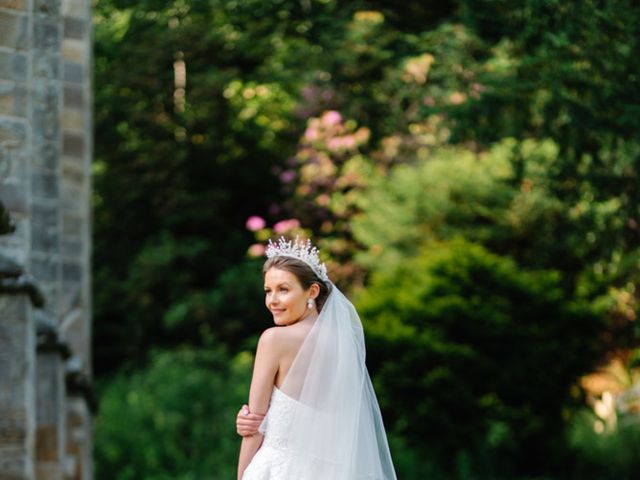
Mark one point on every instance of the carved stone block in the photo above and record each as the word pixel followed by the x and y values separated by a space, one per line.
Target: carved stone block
pixel 73 72
pixel 13 99
pixel 47 7
pixel 71 272
pixel 73 97
pixel 12 132
pixel 45 228
pixel 14 30
pixel 75 28
pixel 46 155
pixel 72 246
pixel 73 173
pixel 46 66
pixel 73 144
pixel 14 197
pixel 44 185
pixel 79 443
pixel 72 225
pixel 51 410
pixel 13 66
pixel 69 198
pixel 15 4
pixel 44 268
pixel 45 113
pixel 73 120
pixel 47 35
pixel 75 8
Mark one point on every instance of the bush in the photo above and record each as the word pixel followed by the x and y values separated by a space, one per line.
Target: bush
pixel 475 359
pixel 173 420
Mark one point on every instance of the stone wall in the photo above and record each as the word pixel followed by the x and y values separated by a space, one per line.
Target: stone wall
pixel 17 388
pixel 45 156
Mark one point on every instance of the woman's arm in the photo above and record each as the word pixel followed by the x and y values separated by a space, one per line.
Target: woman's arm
pixel 265 369
pixel 247 422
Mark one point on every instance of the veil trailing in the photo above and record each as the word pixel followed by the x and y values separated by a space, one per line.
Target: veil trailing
pixel 336 430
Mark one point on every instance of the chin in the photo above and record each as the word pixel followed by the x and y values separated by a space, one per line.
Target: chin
pixel 283 322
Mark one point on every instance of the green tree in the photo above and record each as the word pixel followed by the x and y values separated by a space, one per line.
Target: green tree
pixel 179 168
pixel 476 357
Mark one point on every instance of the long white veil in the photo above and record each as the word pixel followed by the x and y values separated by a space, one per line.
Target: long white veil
pixel 336 431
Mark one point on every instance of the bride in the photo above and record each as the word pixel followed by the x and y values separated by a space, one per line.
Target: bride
pixel 312 412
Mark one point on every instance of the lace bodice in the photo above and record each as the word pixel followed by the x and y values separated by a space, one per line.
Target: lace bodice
pixel 277 459
pixel 273 461
pixel 276 426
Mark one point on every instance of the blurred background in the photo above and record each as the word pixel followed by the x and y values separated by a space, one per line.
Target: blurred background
pixel 469 170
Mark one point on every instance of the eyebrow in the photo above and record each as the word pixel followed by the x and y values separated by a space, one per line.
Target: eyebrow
pixel 279 285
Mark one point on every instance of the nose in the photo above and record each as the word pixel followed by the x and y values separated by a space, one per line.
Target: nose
pixel 272 299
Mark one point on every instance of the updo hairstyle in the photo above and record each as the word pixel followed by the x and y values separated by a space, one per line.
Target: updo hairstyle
pixel 303 272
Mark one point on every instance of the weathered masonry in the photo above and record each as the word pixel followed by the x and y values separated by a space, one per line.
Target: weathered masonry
pixel 45 324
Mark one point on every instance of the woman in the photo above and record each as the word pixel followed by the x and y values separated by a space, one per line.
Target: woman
pixel 321 418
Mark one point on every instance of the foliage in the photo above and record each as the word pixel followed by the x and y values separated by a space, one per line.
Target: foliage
pixel 173 419
pixel 453 192
pixel 501 198
pixel 388 131
pixel 230 313
pixel 175 182
pixel 604 456
pixel 477 357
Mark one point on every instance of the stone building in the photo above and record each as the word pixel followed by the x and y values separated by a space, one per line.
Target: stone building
pixel 45 322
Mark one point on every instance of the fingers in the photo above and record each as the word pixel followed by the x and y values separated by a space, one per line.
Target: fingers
pixel 247 423
pixel 248 417
pixel 252 421
pixel 246 430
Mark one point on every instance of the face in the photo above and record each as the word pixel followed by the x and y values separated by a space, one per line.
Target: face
pixel 284 296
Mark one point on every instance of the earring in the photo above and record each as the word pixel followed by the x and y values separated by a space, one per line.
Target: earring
pixel 310 303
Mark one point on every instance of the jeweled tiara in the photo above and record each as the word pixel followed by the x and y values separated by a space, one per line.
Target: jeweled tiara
pixel 302 251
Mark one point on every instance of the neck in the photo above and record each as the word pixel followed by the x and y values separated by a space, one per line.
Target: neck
pixel 309 316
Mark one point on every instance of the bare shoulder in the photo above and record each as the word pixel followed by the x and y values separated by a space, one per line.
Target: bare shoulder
pixel 272 338
pixel 278 339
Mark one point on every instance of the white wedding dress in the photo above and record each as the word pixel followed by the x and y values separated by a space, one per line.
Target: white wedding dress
pixel 324 422
pixel 275 460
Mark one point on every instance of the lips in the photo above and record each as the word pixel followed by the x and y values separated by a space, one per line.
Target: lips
pixel 276 311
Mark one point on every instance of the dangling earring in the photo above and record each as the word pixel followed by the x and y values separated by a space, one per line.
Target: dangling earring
pixel 310 303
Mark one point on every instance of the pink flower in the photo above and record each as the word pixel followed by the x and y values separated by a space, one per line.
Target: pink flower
pixel 255 223
pixel 286 225
pixel 335 144
pixel 288 176
pixel 311 133
pixel 331 118
pixel 256 250
pixel 349 142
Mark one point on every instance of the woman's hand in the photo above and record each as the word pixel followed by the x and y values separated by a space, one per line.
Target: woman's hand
pixel 247 423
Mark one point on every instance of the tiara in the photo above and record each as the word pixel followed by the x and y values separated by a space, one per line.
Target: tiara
pixel 302 251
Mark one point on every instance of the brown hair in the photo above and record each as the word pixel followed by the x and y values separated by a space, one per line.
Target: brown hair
pixel 303 272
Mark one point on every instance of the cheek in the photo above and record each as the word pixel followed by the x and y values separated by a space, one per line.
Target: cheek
pixel 291 299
